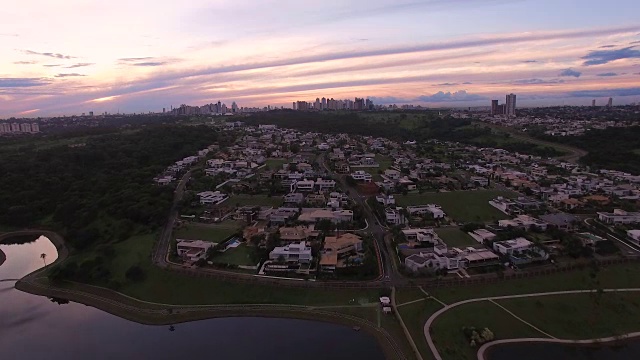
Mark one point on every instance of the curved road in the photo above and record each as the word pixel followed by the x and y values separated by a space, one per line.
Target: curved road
pixel 432 318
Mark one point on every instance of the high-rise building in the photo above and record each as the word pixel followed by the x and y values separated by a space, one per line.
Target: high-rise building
pixel 15 127
pixel 234 107
pixel 510 105
pixel 593 103
pixel 494 107
pixel 358 104
pixel 25 128
pixel 5 128
pixel 324 103
pixel 35 127
pixel 294 106
pixel 610 103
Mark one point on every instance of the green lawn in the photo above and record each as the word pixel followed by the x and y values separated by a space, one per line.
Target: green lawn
pixel 462 206
pixel 408 294
pixel 213 233
pixel 275 164
pixel 455 237
pixel 415 316
pixel 580 316
pixel 384 161
pixel 257 200
pixel 240 255
pixel 451 341
pixel 614 276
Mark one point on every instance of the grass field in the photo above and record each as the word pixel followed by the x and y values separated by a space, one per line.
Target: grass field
pixel 450 340
pixel 614 276
pixel 384 161
pixel 455 237
pixel 580 316
pixel 258 200
pixel 213 233
pixel 275 164
pixel 462 206
pixel 415 316
pixel 240 255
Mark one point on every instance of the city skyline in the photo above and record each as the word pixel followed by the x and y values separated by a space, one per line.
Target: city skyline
pixel 430 53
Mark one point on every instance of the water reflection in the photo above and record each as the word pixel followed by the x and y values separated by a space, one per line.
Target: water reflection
pixel 35 327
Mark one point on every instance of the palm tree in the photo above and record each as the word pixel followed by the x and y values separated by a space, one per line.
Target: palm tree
pixel 43 256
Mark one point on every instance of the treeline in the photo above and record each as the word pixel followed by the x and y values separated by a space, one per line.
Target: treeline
pixel 611 148
pixel 399 127
pixel 100 192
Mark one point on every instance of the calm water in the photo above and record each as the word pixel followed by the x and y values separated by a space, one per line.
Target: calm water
pixel 547 351
pixel 33 327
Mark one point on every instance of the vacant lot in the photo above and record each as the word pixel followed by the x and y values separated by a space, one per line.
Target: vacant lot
pixel 275 164
pixel 214 233
pixel 384 161
pixel 240 255
pixel 455 237
pixel 462 206
pixel 257 200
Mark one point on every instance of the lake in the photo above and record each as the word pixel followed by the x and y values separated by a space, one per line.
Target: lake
pixel 33 327
pixel 535 351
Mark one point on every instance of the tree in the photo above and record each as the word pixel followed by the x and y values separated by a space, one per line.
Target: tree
pixel 43 256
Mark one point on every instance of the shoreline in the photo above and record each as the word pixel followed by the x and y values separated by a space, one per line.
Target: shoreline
pixel 485 349
pixel 149 313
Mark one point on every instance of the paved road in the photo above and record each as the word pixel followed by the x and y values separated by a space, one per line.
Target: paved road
pixel 432 318
pixel 162 246
pixel 390 275
pixel 630 248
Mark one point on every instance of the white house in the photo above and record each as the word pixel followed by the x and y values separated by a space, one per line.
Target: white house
pixel 295 198
pixel 212 197
pixel 509 247
pixel 386 200
pixel 480 235
pixel 434 210
pixel 325 185
pixel 634 235
pixel 394 217
pixel 305 185
pixel 524 222
pixel 193 250
pixel 422 236
pixel 362 176
pixel 619 216
pixel 502 204
pixel 298 252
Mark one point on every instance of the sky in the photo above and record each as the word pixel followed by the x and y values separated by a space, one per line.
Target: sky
pixel 73 56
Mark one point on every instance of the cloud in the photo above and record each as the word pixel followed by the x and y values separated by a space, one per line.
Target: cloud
pixel 9 34
pixel 25 62
pixel 570 72
pixel 537 81
pixel 388 100
pixel 48 54
pixel 634 42
pixel 69 75
pixel 131 59
pixel 150 63
pixel 440 96
pixel 608 74
pixel 530 61
pixel 22 82
pixel 78 65
pixel 606 92
pixel 600 57
pixel 52 65
pixel 448 84
pixel 467 83
pixel 607 46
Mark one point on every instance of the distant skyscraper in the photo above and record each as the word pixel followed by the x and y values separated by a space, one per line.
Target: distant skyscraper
pixel 610 103
pixel 234 107
pixel 294 106
pixel 324 103
pixel 494 107
pixel 593 103
pixel 510 105
pixel 25 128
pixel 35 127
pixel 358 104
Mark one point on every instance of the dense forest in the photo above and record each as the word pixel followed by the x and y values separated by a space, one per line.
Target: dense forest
pixel 611 148
pixel 418 126
pixel 98 192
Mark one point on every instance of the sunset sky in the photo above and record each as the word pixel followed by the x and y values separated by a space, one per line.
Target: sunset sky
pixel 73 56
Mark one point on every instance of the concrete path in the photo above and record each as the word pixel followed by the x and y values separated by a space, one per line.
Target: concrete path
pixel 432 318
pixel 483 349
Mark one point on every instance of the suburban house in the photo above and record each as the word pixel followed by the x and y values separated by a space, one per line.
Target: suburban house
pixel 298 252
pixel 386 200
pixel 394 217
pixel 315 215
pixel 482 235
pixel 434 210
pixel 325 185
pixel 507 206
pixel 282 215
pixel 295 198
pixel 451 259
pixel 193 250
pixel 509 247
pixel 524 222
pixel 305 185
pixel 619 216
pixel 297 233
pixel 562 221
pixel 361 176
pixel 422 236
pixel 212 197
pixel 634 235
pixel 336 249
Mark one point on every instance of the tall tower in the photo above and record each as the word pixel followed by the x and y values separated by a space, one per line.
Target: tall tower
pixel 494 107
pixel 610 103
pixel 593 103
pixel 510 108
